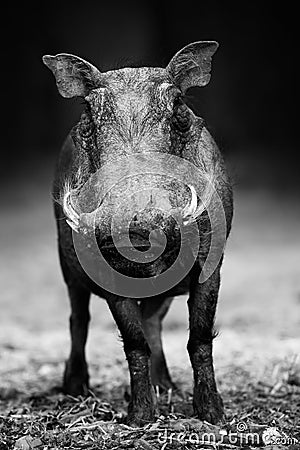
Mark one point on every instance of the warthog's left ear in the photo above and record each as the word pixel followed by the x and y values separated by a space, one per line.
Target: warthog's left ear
pixel 74 76
pixel 191 65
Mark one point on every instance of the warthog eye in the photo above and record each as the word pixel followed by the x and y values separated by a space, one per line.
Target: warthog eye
pixel 87 125
pixel 181 118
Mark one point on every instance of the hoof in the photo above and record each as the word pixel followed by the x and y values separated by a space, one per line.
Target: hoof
pixel 208 406
pixel 139 419
pixel 141 411
pixel 163 384
pixel 75 381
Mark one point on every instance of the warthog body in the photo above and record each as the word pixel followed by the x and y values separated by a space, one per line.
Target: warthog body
pixel 133 113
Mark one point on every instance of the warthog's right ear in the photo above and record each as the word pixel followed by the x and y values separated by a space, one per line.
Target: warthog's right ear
pixel 191 65
pixel 74 76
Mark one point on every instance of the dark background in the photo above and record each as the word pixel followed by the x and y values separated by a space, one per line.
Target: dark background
pixel 250 104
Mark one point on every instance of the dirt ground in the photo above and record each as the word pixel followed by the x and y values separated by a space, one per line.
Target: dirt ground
pixel 255 352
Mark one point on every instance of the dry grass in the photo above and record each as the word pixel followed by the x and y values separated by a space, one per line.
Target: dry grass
pixel 54 421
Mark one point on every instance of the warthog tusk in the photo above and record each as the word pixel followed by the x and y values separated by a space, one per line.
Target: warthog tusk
pixel 72 225
pixel 191 207
pixel 72 216
pixel 191 212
